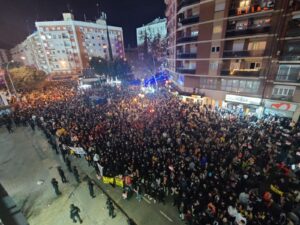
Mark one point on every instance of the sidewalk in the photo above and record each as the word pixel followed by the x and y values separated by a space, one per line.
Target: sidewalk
pixel 145 212
pixel 93 211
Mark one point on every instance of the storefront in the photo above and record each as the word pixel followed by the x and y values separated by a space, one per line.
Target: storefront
pixel 243 104
pixel 280 108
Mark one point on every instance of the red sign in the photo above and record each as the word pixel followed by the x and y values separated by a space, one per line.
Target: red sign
pixel 282 106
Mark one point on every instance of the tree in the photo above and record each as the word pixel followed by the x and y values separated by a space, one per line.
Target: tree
pixel 100 65
pixel 27 78
pixel 122 69
pixel 118 68
pixel 153 52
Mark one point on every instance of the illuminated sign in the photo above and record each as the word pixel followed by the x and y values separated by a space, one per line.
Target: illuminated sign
pixel 285 106
pixel 243 99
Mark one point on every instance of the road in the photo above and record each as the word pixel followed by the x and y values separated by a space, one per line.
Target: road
pixel 27 164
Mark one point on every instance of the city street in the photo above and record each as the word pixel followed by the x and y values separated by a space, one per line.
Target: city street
pixel 28 164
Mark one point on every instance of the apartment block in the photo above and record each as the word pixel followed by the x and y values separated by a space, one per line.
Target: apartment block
pixel 65 47
pixel 237 52
pixel 153 29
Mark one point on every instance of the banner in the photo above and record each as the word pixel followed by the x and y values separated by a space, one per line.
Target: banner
pixel 119 182
pixel 78 150
pixel 100 169
pixel 276 190
pixel 108 180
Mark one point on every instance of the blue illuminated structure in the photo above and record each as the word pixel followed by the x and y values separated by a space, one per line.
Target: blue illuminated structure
pixel 157 79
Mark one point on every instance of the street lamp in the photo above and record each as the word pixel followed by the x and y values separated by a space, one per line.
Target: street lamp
pixel 6 84
pixel 12 83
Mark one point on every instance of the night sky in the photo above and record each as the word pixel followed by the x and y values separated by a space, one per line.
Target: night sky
pixel 17 17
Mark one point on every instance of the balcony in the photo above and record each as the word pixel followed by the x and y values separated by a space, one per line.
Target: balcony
pixel 187 55
pixel 184 3
pixel 248 30
pixel 187 39
pixel 185 70
pixel 189 20
pixel 249 10
pixel 232 54
pixel 241 72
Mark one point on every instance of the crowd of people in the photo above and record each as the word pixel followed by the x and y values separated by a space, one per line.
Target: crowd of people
pixel 217 167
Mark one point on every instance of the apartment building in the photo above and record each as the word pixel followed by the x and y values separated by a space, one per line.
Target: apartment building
pixel 65 47
pixel 153 29
pixel 237 52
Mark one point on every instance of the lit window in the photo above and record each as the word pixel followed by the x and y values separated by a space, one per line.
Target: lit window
pixel 244 3
pixel 217 29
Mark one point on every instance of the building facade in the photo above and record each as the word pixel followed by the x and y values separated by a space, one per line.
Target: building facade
pixel 65 47
pixel 240 53
pixel 157 27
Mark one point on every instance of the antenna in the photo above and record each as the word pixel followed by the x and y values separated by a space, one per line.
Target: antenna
pixel 98 9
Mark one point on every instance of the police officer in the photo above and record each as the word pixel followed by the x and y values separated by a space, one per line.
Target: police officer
pixel 110 208
pixel 62 175
pixel 74 213
pixel 76 174
pixel 55 186
pixel 68 163
pixel 91 188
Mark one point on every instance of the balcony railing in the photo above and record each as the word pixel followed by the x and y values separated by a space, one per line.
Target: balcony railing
pixel 242 73
pixel 294 32
pixel 248 30
pixel 248 10
pixel 230 53
pixel 294 57
pixel 189 20
pixel 282 98
pixel 187 39
pixel 185 70
pixel 291 78
pixel 187 55
pixel 184 3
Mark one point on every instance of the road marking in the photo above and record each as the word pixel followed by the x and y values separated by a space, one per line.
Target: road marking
pixel 146 200
pixel 168 218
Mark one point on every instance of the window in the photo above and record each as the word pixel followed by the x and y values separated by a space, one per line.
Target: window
pixel 245 86
pixel 244 3
pixel 215 49
pixel 194 33
pixel 213 65
pixel 286 91
pixel 288 73
pixel 241 25
pixel 257 45
pixel 220 6
pixel 217 29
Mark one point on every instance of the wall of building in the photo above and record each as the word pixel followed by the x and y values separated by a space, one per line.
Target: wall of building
pixel 65 47
pixel 235 47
